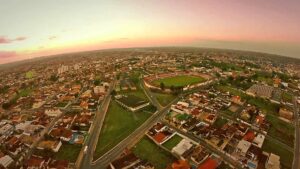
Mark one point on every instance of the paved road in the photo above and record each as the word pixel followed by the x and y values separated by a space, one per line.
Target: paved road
pixel 131 140
pixel 297 135
pixel 134 137
pixel 85 158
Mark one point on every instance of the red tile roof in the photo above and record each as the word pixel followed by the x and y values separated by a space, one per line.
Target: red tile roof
pixel 208 164
pixel 159 137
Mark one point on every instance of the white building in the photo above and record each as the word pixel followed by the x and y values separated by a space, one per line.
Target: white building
pixel 259 140
pixel 6 129
pixel 62 69
pixel 53 112
pixel 6 161
pixel 183 146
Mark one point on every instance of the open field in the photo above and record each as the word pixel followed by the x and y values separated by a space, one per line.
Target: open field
pixel 118 124
pixel 164 99
pixel 146 149
pixel 281 130
pixel 179 81
pixel 68 152
pixel 172 142
pixel 286 157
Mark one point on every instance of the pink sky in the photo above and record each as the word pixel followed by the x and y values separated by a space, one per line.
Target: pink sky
pixel 30 29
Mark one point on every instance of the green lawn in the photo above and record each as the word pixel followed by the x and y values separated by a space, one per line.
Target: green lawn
pixel 231 90
pixel 68 152
pixel 138 92
pixel 29 74
pixel 118 124
pixel 220 122
pixel 281 130
pixel 164 99
pixel 172 142
pixel 146 149
pixel 286 157
pixel 287 97
pixel 179 81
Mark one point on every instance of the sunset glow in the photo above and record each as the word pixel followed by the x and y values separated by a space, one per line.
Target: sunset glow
pixel 37 28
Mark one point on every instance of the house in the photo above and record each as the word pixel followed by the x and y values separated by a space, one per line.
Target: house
pixel 181 164
pixel 237 100
pixel 285 113
pixel 125 161
pixel 58 164
pixel 62 133
pixel 53 112
pixel 273 162
pixel 99 90
pixel 259 140
pixel 6 130
pixel 209 163
pixel 243 147
pixel 34 162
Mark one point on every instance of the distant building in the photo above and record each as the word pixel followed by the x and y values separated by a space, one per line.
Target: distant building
pixel 53 112
pixel 62 69
pixel 260 91
pixel 6 161
pixel 99 90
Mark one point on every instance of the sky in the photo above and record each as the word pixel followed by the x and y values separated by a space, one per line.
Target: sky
pixel 32 28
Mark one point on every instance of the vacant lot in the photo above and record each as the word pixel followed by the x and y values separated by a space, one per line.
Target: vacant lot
pixel 118 124
pixel 179 81
pixel 164 99
pixel 68 152
pixel 146 149
pixel 172 142
pixel 286 157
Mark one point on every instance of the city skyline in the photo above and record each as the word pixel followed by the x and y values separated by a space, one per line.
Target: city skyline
pixel 47 28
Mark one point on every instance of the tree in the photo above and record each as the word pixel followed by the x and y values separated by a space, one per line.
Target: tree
pixel 96 82
pixel 162 86
pixel 113 92
pixel 172 88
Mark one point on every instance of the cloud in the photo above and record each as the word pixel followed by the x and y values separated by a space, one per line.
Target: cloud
pixel 21 38
pixel 52 37
pixel 4 40
pixel 7 54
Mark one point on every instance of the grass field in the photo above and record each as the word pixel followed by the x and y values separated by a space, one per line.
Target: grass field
pixel 281 130
pixel 179 81
pixel 287 97
pixel 68 152
pixel 146 149
pixel 118 124
pixel 172 142
pixel 286 157
pixel 164 99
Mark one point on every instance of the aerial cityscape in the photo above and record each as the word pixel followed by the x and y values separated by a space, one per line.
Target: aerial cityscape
pixel 147 86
